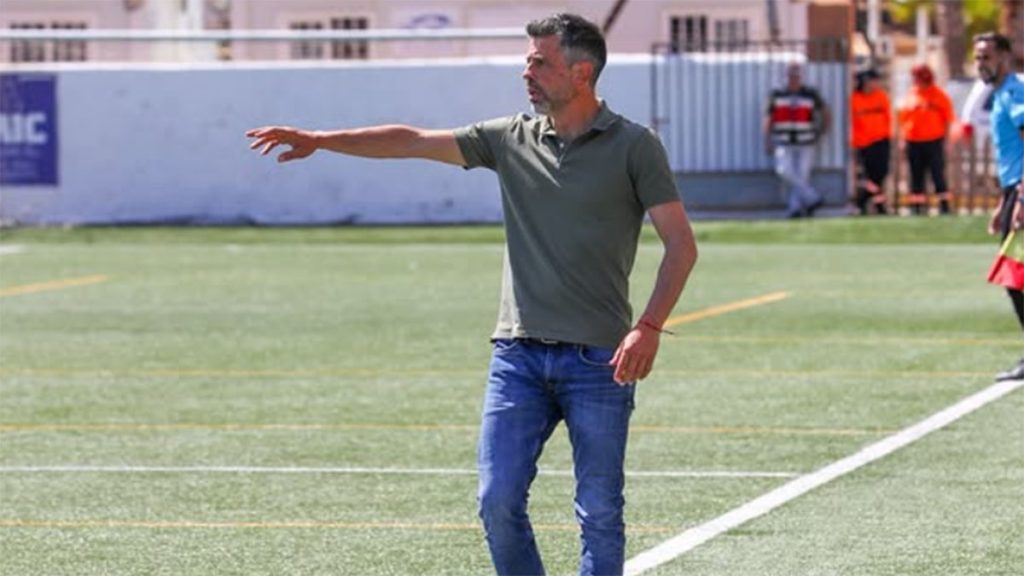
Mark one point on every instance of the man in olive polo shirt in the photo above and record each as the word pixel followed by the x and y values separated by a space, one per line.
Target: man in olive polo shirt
pixel 576 182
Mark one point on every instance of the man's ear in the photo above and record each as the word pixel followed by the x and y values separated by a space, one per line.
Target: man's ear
pixel 583 71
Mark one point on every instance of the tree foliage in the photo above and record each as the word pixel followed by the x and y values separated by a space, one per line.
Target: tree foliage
pixel 979 15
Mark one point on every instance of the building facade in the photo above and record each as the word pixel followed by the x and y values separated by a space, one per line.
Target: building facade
pixel 677 24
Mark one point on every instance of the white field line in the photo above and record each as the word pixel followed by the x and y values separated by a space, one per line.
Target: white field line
pixel 361 470
pixel 690 539
pixel 11 249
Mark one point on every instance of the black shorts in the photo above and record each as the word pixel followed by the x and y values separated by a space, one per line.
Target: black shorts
pixel 928 156
pixel 1006 214
pixel 874 161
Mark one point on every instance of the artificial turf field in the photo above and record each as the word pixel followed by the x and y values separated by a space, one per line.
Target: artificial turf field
pixel 305 401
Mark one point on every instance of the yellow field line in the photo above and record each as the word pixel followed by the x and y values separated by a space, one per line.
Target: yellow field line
pixel 373 372
pixel 239 427
pixel 186 524
pixel 829 373
pixel 862 341
pixel 236 373
pixel 52 285
pixel 231 427
pixel 726 308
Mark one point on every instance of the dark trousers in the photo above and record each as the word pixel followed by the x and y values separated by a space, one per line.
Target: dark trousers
pixel 1005 225
pixel 873 160
pixel 927 157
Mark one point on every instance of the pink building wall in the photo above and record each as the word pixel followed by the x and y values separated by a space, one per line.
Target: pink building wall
pixel 640 24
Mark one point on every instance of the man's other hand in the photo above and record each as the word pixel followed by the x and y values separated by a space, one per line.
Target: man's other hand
pixel 634 357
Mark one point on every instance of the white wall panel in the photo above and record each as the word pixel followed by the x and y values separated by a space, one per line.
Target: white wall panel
pixel 167 145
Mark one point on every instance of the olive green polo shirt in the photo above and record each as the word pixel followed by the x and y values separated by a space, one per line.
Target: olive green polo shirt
pixel 573 213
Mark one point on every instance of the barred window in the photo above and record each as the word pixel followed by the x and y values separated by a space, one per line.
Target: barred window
pixel 688 33
pixel 69 51
pixel 307 49
pixel 732 32
pixel 337 49
pixel 350 49
pixel 48 50
pixel 28 50
pixel 700 33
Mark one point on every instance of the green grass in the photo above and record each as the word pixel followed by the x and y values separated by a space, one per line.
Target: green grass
pixel 367 347
pixel 961 230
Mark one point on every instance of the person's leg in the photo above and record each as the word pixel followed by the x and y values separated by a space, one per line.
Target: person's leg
pixel 785 170
pixel 918 162
pixel 877 168
pixel 1016 296
pixel 937 166
pixel 1005 226
pixel 810 199
pixel 862 198
pixel 881 151
pixel 1015 372
pixel 862 195
pixel 1017 299
pixel 597 412
pixel 519 415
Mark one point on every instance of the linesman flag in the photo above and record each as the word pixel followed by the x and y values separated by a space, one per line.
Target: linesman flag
pixel 1008 269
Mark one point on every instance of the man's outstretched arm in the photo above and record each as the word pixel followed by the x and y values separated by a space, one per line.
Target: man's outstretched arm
pixel 390 141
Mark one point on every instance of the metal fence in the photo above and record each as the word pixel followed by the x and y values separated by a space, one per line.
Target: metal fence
pixel 970 171
pixel 708 100
pixel 348 41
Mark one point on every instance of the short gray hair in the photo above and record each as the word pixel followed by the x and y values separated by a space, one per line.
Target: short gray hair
pixel 579 39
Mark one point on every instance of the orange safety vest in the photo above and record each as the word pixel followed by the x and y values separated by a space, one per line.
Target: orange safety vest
pixel 926 114
pixel 871 117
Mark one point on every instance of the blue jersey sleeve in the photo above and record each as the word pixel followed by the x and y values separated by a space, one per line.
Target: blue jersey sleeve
pixel 1015 104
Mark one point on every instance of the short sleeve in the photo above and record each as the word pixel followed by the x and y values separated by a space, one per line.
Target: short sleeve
pixel 650 173
pixel 949 115
pixel 1016 107
pixel 769 104
pixel 481 143
pixel 975 100
pixel 819 102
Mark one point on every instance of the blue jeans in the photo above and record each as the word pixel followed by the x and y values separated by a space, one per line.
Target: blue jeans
pixel 793 164
pixel 532 386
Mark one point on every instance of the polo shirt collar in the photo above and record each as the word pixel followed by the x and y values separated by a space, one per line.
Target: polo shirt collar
pixel 1010 80
pixel 605 118
pixel 603 121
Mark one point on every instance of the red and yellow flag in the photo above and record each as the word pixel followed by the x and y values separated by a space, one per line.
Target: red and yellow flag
pixel 1008 269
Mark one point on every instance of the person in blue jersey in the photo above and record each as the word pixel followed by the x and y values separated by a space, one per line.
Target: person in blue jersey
pixel 994 59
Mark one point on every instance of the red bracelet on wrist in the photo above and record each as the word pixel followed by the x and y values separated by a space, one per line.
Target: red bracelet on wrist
pixel 648 324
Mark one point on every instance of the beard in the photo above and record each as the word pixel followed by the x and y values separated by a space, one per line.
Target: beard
pixel 987 76
pixel 552 99
pixel 543 104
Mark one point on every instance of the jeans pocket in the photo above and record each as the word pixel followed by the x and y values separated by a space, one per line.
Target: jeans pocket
pixel 502 345
pixel 596 356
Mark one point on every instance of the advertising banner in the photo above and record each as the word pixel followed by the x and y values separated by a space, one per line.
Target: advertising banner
pixel 28 130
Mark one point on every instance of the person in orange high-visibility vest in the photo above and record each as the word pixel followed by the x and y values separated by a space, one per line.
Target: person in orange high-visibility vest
pixel 925 116
pixel 871 119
